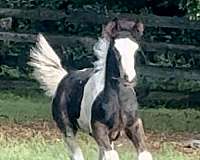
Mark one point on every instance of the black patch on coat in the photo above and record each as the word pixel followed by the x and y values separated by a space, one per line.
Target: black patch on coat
pixel 67 101
pixel 106 107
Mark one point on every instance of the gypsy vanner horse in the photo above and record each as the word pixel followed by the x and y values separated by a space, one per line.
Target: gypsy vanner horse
pixel 100 100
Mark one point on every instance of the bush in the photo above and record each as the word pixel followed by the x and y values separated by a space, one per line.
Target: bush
pixel 193 9
pixel 30 4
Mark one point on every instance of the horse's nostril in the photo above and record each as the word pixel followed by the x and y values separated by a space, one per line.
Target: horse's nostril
pixel 125 77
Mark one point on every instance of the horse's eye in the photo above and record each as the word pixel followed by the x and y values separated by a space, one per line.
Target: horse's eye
pixel 125 77
pixel 118 57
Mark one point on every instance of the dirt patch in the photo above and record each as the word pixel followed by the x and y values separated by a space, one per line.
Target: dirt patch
pixel 49 131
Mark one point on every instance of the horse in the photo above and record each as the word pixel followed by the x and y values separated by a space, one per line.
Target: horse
pixel 99 101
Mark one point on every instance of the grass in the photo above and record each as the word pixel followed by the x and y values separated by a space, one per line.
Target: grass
pixel 24 108
pixel 27 108
pixel 30 107
pixel 39 148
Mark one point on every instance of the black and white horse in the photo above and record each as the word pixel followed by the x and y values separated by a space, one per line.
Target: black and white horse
pixel 101 100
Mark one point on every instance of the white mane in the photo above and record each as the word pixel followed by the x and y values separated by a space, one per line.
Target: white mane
pixel 100 51
pixel 95 84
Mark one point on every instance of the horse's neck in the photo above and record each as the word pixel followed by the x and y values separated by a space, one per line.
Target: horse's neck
pixel 112 71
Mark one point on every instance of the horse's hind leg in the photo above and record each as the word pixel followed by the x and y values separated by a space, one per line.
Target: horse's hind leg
pixel 75 152
pixel 60 113
pixel 106 151
pixel 135 133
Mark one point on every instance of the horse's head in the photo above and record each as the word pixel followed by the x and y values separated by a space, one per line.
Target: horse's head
pixel 124 36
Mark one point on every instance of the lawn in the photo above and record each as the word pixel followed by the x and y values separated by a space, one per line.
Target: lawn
pixel 39 148
pixel 30 106
pixel 28 133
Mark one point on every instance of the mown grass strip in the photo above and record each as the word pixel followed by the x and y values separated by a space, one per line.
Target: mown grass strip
pixel 35 107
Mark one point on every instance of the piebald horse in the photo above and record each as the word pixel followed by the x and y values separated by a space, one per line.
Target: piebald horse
pixel 101 100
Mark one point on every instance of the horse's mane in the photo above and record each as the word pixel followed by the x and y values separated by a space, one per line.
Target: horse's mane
pixel 100 51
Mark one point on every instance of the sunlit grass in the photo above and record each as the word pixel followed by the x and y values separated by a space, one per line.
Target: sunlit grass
pixel 39 148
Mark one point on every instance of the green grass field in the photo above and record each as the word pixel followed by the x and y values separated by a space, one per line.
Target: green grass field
pixel 38 148
pixel 25 143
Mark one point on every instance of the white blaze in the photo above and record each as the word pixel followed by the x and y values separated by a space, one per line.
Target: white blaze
pixel 127 49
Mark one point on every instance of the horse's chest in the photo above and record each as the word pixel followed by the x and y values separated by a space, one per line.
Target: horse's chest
pixel 92 89
pixel 127 98
pixel 106 110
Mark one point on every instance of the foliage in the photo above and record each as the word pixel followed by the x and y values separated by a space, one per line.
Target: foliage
pixel 191 6
pixel 193 9
pixel 170 83
pixel 30 4
pixel 172 35
pixel 81 3
pixel 9 72
pixel 78 57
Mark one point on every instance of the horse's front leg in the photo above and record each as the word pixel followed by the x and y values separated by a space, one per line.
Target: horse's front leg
pixel 135 133
pixel 106 151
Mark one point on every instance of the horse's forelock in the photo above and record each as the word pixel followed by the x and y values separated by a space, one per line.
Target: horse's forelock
pixel 139 28
pixel 113 29
pixel 126 25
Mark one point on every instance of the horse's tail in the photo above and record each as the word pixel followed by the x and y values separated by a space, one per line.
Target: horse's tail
pixel 47 66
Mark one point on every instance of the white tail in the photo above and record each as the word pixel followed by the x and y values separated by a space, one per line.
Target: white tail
pixel 47 66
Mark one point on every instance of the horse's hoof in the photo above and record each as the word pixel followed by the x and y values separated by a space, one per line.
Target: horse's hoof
pixel 145 155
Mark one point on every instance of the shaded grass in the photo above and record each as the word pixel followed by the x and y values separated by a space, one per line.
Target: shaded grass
pixel 35 106
pixel 171 120
pixel 24 108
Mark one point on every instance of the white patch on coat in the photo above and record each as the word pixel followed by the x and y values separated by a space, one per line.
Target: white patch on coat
pixel 145 155
pixel 74 149
pixel 127 49
pixel 94 85
pixel 110 155
pixel 77 155
pixel 47 66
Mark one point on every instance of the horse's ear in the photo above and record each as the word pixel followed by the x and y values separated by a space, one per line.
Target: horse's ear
pixel 110 30
pixel 139 27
